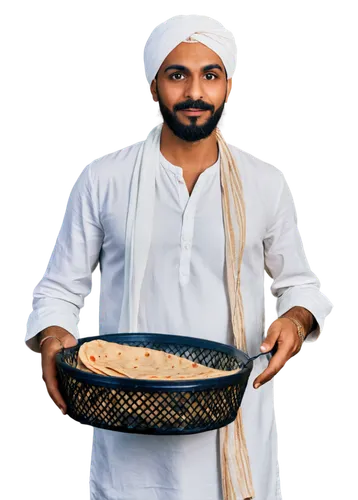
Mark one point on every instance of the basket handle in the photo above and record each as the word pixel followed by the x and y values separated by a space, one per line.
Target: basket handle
pixel 272 352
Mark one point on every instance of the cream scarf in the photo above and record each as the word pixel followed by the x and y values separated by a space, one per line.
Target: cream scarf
pixel 235 464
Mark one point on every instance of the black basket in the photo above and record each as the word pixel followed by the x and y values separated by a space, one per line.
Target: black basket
pixel 156 407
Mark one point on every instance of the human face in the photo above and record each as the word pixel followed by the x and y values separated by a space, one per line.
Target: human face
pixel 191 76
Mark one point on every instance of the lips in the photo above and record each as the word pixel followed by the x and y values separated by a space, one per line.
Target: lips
pixel 193 111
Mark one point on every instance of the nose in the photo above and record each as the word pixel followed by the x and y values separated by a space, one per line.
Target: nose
pixel 193 89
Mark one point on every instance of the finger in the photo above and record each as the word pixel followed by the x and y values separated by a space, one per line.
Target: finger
pixel 54 393
pixel 49 375
pixel 273 334
pixel 276 363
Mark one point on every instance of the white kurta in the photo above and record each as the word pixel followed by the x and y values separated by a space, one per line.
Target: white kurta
pixel 183 292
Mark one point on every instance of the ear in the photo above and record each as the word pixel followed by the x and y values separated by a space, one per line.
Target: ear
pixel 228 88
pixel 153 89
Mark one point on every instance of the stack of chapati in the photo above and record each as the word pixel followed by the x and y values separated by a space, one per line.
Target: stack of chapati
pixel 110 358
pixel 118 360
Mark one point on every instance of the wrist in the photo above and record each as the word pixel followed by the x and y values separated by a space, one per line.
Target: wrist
pixel 50 338
pixel 58 331
pixel 303 316
pixel 300 329
pixel 55 331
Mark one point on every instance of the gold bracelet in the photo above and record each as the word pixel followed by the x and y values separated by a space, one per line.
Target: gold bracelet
pixel 300 331
pixel 50 337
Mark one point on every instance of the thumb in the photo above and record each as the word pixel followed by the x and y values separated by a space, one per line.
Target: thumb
pixel 273 334
pixel 71 342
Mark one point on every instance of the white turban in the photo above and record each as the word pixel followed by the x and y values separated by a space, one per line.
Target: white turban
pixel 167 35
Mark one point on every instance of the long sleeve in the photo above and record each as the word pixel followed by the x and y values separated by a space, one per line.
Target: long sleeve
pixel 59 296
pixel 294 284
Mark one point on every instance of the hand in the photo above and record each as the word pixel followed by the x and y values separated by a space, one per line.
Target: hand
pixel 283 332
pixel 49 350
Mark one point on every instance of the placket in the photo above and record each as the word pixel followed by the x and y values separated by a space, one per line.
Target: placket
pixel 186 242
pixel 189 205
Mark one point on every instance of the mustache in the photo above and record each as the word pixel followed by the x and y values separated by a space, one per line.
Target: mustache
pixel 193 105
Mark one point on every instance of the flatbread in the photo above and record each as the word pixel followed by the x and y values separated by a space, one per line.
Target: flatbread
pixel 110 358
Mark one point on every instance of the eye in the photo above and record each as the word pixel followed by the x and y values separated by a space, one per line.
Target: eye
pixel 212 74
pixel 174 74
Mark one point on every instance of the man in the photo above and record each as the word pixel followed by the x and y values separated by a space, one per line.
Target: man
pixel 179 279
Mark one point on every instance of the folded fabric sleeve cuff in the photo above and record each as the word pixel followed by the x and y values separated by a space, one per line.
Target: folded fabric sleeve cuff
pixel 38 323
pixel 312 299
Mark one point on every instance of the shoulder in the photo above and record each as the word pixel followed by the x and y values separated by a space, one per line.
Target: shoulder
pixel 254 167
pixel 119 163
pixel 259 176
pixel 263 183
pixel 108 173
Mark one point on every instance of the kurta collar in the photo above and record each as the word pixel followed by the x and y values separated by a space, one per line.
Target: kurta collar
pixel 178 171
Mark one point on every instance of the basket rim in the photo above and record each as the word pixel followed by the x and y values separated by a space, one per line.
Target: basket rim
pixel 155 385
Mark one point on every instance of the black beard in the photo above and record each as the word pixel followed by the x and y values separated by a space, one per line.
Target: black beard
pixel 192 132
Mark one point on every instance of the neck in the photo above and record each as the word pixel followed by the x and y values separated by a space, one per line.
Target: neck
pixel 190 156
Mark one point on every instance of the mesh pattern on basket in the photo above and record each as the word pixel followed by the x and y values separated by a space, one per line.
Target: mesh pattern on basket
pixel 150 410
